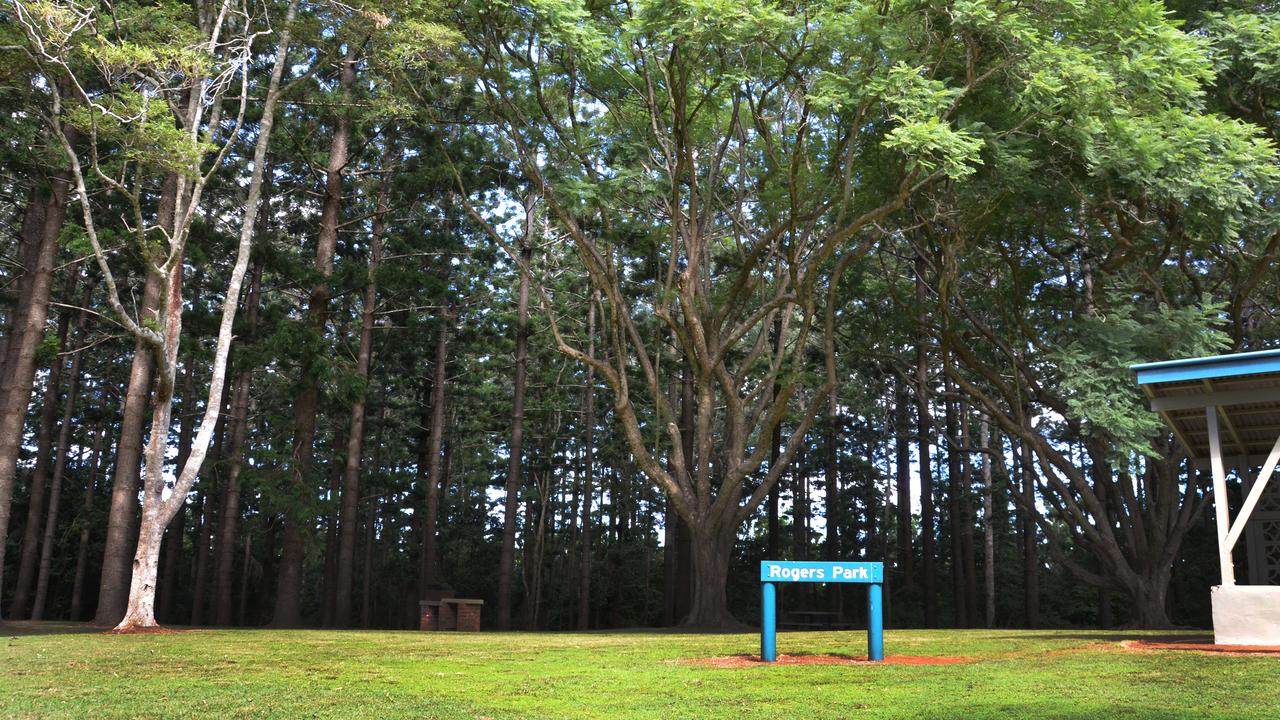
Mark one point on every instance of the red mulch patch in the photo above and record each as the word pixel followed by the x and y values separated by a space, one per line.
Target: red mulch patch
pixel 745 661
pixel 1205 647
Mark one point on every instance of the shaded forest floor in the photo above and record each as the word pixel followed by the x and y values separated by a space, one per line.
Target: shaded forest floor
pixel 66 670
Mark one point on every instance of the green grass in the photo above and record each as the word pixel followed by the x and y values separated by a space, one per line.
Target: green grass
pixel 52 670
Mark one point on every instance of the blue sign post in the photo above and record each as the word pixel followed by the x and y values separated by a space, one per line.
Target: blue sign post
pixel 773 572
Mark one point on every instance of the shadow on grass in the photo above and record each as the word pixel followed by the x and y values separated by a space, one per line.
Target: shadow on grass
pixel 1114 636
pixel 49 627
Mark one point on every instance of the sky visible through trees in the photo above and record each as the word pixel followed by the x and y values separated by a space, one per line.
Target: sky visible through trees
pixel 584 308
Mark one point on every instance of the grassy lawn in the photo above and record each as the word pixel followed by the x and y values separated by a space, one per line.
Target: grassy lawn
pixel 52 670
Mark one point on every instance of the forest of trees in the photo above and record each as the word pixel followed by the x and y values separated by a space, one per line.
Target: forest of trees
pixel 584 308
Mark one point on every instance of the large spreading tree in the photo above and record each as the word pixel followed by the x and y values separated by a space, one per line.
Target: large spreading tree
pixel 716 166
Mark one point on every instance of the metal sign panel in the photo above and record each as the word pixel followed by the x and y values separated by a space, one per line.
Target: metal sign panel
pixel 821 572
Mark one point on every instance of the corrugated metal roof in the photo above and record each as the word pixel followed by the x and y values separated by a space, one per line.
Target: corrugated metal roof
pixel 1215 366
pixel 1244 387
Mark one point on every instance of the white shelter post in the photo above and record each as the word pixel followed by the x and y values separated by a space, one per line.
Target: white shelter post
pixel 1220 498
pixel 1255 494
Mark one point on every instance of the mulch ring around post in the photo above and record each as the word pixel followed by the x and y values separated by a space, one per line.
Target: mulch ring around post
pixel 746 661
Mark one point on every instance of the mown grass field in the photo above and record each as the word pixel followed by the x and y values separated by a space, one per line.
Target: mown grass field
pixel 51 670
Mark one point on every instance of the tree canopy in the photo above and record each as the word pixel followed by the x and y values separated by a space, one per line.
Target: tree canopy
pixel 584 307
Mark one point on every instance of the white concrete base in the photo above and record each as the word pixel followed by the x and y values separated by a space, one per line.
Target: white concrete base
pixel 1246 614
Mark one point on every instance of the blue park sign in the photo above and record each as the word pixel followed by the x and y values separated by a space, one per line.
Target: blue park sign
pixel 781 571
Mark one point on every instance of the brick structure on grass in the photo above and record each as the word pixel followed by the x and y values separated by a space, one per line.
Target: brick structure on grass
pixel 450 614
pixel 468 615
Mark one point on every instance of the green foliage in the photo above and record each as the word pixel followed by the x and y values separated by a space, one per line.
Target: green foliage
pixel 141 127
pixel 1093 368
pixel 1214 164
pixel 1246 45
pixel 917 104
pixel 47 350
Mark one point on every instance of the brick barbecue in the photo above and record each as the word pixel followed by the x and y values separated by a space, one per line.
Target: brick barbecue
pixel 460 614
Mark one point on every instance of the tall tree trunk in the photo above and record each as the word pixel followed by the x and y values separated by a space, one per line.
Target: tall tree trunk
pixel 772 526
pixel 670 563
pixel 173 541
pixel 1030 550
pixel 440 379
pixel 113 589
pixel 170 562
pixel 82 553
pixel 228 524
pixel 712 550
pixel 421 472
pixel 199 501
pixel 775 450
pixel 157 510
pixel 122 514
pixel 924 425
pixel 18 374
pixel 201 602
pixel 837 546
pixel 537 550
pixel 954 512
pixel 800 509
pixel 684 535
pixel 333 508
pixel 967 518
pixel 366 593
pixel 200 583
pixel 29 558
pixel 902 469
pixel 224 542
pixel 670 534
pixel 588 473
pixel 60 460
pixel 349 514
pixel 831 473
pixel 988 526
pixel 246 567
pixel 289 586
pixel 28 253
pixel 506 561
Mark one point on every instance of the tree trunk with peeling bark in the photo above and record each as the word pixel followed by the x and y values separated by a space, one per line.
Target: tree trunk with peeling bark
pixel 119 546
pixel 157 511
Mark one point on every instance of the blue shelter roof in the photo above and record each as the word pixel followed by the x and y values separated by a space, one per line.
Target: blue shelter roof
pixel 1244 388
pixel 1203 368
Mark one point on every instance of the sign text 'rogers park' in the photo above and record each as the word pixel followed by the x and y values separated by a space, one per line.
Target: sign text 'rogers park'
pixel 832 572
